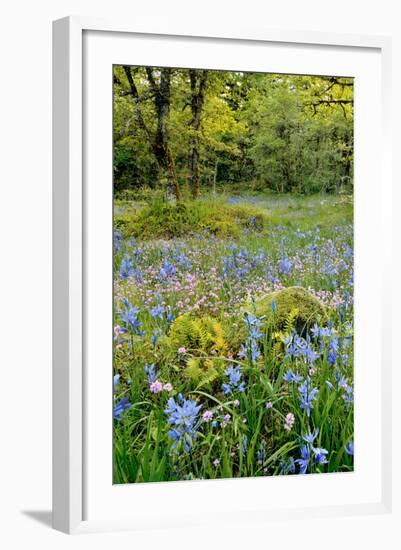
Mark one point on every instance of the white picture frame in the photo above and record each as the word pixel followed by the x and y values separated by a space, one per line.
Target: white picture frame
pixel 72 244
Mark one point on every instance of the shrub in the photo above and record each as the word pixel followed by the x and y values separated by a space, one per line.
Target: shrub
pixel 168 220
pixel 291 302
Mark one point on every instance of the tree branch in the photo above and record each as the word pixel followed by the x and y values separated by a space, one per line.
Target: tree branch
pixel 135 95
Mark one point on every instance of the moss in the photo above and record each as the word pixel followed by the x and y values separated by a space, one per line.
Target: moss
pixel 164 220
pixel 309 310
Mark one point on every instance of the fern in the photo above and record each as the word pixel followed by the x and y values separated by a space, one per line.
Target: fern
pixel 199 335
pixel 289 322
pixel 205 339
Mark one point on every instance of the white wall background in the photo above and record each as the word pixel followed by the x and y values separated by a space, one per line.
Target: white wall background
pixel 25 217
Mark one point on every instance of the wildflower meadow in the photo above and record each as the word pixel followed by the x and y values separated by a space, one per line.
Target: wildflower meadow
pixel 233 306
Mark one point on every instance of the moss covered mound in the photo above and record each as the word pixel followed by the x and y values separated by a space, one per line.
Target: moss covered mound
pixel 295 302
pixel 167 220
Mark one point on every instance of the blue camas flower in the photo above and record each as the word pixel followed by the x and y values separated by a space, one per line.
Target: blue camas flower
pixel 117 237
pixel 120 407
pixel 349 449
pixel 167 270
pixel 320 455
pixel 251 347
pixel 151 373
pixel 303 462
pixel 284 266
pixel 261 452
pixel 157 311
pixel 129 317
pixel 307 396
pixel 299 347
pixel 244 444
pixel 289 376
pixel 234 380
pixel 310 437
pixel 287 467
pixel 184 419
pixel 333 350
pixel 126 267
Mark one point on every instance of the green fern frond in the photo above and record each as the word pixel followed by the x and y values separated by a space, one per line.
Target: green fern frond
pixel 202 335
pixel 289 322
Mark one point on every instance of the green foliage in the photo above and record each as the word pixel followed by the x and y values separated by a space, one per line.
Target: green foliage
pixel 294 307
pixel 161 219
pixel 287 133
pixel 205 341
pixel 203 335
pixel 297 144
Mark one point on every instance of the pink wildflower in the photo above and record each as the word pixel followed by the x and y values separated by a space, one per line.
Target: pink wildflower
pixel 207 416
pixel 226 420
pixel 156 386
pixel 289 422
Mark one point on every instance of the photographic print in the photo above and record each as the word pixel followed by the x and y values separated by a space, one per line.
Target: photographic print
pixel 233 274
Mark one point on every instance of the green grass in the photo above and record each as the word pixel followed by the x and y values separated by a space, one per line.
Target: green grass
pixel 218 216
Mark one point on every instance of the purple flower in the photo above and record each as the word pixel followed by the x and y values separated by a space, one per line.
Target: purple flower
pixel 156 386
pixel 126 267
pixel 349 449
pixel 234 380
pixel 307 396
pixel 183 417
pixel 167 270
pixel 151 373
pixel 226 420
pixel 303 462
pixel 157 311
pixel 285 265
pixel 320 455
pixel 289 376
pixel 129 318
pixel 120 407
pixel 310 437
pixel 207 416
pixel 289 422
pixel 251 347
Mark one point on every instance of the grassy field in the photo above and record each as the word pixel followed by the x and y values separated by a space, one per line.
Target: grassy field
pixel 233 337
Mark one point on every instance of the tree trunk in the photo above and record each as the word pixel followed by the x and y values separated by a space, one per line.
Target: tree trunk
pixel 159 140
pixel 198 81
pixel 215 177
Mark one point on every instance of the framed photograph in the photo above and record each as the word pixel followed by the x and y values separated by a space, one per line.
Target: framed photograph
pixel 219 211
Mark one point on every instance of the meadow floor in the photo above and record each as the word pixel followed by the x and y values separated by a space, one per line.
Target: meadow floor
pixel 219 369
